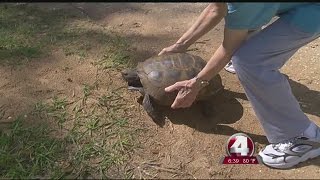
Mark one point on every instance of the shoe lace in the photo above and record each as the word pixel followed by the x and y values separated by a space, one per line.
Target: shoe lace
pixel 284 145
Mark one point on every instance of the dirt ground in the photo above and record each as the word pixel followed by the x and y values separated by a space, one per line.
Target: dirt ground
pixel 189 145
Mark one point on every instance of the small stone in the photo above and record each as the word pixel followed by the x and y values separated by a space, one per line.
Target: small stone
pixel 155 151
pixel 137 24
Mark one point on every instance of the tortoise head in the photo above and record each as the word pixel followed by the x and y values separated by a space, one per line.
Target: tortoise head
pixel 132 78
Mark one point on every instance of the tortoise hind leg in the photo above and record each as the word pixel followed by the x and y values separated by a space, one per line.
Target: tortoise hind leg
pixel 149 106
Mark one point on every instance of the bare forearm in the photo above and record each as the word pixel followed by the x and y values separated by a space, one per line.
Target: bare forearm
pixel 231 42
pixel 208 19
pixel 219 59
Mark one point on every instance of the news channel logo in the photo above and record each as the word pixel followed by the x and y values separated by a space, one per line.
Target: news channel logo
pixel 240 150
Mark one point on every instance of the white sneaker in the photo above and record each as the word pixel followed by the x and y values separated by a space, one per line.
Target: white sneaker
pixel 291 152
pixel 229 67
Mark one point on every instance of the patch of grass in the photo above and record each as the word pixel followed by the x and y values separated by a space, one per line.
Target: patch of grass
pixel 99 138
pixel 116 56
pixel 87 89
pixel 56 110
pixel 96 137
pixel 27 32
pixel 80 49
pixel 28 152
pixel 115 50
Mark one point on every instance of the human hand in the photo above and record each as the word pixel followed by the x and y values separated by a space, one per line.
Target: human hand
pixel 188 91
pixel 175 48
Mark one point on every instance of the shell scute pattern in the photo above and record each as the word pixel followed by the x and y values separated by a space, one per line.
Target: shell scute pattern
pixel 158 72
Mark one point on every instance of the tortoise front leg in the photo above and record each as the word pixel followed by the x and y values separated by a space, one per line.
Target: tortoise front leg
pixel 155 114
pixel 140 99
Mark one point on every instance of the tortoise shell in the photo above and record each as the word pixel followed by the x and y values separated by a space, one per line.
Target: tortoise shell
pixel 159 72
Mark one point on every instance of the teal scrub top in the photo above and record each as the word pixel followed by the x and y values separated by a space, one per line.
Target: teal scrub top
pixel 304 16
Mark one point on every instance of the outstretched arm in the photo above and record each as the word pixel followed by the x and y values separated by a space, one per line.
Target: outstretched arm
pixel 189 89
pixel 208 19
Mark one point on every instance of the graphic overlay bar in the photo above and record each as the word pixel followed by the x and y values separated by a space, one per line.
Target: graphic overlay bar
pixel 240 160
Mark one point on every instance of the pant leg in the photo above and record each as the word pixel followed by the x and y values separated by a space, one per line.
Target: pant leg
pixel 257 63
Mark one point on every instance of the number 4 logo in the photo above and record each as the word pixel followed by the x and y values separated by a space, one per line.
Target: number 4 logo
pixel 240 145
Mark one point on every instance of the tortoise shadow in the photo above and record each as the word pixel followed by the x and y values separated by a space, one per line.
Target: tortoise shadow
pixel 226 109
pixel 193 117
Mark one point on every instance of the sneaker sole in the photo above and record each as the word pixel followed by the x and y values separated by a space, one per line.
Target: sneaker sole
pixel 230 71
pixel 309 155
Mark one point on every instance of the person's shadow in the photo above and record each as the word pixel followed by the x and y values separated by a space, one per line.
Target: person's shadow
pixel 226 109
pixel 308 99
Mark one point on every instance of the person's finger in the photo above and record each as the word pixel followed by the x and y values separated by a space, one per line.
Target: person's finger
pixel 177 103
pixel 175 86
pixel 186 102
pixel 161 52
pixel 181 99
pixel 184 99
pixel 181 103
pixel 178 100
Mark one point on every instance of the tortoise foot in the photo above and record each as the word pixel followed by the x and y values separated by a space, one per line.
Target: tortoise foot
pixel 157 117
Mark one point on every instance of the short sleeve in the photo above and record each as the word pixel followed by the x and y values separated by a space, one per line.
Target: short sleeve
pixel 249 15
pixel 305 17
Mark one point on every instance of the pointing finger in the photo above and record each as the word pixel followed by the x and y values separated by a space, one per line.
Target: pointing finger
pixel 175 86
pixel 162 52
pixel 179 100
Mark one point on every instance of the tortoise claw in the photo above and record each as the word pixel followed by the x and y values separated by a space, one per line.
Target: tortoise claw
pixel 140 99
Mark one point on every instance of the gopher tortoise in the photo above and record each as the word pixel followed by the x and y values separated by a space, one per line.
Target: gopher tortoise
pixel 153 75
